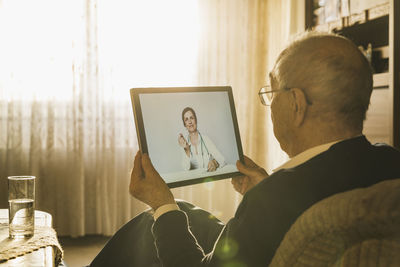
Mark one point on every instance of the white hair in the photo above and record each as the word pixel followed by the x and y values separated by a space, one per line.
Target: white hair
pixel 333 73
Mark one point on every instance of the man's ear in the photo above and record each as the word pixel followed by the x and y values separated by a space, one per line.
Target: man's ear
pixel 299 102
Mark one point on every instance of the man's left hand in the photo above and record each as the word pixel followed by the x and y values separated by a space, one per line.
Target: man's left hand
pixel 147 185
pixel 253 174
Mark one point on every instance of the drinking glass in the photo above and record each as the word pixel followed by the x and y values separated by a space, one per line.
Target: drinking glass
pixel 21 210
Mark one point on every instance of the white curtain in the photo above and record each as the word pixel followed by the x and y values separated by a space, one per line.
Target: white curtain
pixel 65 114
pixel 61 119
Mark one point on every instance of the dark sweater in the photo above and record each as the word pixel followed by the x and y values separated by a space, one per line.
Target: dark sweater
pixel 269 209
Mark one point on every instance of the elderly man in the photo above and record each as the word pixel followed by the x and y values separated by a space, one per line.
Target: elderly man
pixel 319 93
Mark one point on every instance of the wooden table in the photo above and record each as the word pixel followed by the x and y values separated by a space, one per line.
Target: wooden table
pixel 42 257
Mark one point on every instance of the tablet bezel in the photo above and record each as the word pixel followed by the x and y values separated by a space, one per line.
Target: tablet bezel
pixel 141 135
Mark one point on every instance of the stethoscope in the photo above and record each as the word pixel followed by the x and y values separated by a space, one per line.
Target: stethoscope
pixel 201 147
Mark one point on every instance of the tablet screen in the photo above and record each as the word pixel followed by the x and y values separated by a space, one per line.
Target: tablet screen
pixel 191 134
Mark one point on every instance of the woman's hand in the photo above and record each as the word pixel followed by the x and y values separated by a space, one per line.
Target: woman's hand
pixel 182 141
pixel 253 174
pixel 212 165
pixel 184 144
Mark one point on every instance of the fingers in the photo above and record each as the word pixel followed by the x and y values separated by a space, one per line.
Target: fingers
pixel 248 162
pixel 212 165
pixel 246 166
pixel 246 170
pixel 236 182
pixel 182 141
pixel 137 171
pixel 147 165
pixel 245 185
pixel 252 172
pixel 240 184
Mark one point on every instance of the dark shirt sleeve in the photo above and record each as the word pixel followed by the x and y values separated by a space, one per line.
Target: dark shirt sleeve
pixel 240 242
pixel 176 245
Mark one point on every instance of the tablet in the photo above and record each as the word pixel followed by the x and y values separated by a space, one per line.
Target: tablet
pixel 191 134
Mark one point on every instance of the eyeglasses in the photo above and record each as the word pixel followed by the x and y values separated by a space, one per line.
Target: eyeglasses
pixel 266 95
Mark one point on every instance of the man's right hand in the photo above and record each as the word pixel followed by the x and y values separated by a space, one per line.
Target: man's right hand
pixel 253 174
pixel 147 184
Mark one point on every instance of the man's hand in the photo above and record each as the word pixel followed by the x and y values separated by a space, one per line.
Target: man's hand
pixel 253 174
pixel 147 185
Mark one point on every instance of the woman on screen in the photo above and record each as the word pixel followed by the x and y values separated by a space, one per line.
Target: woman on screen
pixel 198 150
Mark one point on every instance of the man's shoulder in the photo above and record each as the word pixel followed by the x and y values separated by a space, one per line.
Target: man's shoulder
pixel 360 149
pixel 352 152
pixel 385 148
pixel 344 161
pixel 362 143
pixel 345 156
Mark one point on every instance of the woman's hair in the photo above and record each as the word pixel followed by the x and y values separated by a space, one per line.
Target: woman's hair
pixel 186 110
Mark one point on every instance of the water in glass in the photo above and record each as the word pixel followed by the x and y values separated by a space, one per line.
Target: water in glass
pixel 21 212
